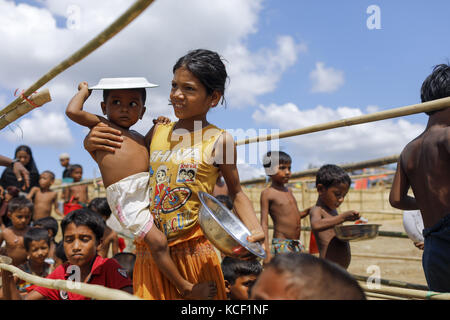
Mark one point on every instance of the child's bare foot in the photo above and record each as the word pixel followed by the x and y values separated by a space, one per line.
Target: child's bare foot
pixel 201 291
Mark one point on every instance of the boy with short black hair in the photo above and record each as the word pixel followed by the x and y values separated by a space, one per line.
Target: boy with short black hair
pixel 332 183
pixel 43 198
pixel 20 210
pixel 279 202
pixel 78 193
pixel 424 165
pixel 37 245
pixel 82 232
pixel 301 276
pixel 51 225
pixel 239 275
pixel 126 176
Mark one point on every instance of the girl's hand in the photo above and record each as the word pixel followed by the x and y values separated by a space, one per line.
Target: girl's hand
pixel 162 120
pixel 256 236
pixel 103 138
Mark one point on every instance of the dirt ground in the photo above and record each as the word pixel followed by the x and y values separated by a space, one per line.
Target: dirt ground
pixel 391 269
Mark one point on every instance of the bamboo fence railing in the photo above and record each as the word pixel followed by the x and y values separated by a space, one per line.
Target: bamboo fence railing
pixel 346 166
pixel 121 22
pixel 376 116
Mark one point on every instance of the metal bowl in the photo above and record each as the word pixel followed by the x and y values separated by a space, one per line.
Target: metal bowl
pixel 225 231
pixel 357 232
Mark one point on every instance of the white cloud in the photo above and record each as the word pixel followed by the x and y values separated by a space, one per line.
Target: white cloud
pixel 326 80
pixel 347 144
pixel 254 74
pixel 40 128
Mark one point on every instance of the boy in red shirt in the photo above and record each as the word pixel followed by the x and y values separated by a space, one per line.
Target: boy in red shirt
pixel 82 232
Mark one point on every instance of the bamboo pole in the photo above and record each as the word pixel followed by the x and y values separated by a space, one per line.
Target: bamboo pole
pixel 392 234
pixel 376 116
pixel 393 283
pixel 79 183
pixel 37 99
pixel 126 18
pixel 346 166
pixel 383 296
pixel 88 290
pixel 407 293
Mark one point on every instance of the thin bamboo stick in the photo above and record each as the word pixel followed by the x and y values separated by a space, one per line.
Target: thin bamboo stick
pixel 380 256
pixel 377 116
pixel 88 290
pixel 407 293
pixel 38 99
pixel 80 183
pixel 383 296
pixel 126 18
pixel 392 234
pixel 393 283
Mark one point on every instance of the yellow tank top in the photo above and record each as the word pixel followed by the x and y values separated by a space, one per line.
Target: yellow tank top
pixel 180 167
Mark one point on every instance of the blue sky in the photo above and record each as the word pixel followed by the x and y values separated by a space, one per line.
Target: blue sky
pixel 291 64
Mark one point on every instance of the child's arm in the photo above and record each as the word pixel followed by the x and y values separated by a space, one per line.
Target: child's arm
pixel 55 205
pixel 75 110
pixel 264 204
pixel 32 193
pixel 319 223
pixel 305 213
pixel 66 194
pixel 242 203
pixel 398 197
pixel 115 244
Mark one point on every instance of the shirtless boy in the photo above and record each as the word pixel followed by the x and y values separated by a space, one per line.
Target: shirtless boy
pixel 20 210
pixel 278 201
pixel 44 199
pixel 79 193
pixel 424 165
pixel 125 175
pixel 332 184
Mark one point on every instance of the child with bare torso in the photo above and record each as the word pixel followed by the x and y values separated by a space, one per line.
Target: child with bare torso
pixel 424 165
pixel 79 193
pixel 332 184
pixel 279 202
pixel 125 175
pixel 43 198
pixel 20 210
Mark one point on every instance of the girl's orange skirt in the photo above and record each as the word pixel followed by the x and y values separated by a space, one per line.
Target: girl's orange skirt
pixel 196 261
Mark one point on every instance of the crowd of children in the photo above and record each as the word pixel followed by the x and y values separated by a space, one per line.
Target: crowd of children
pixel 151 194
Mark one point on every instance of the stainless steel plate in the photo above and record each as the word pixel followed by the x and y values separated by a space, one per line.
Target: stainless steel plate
pixel 356 232
pixel 225 231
